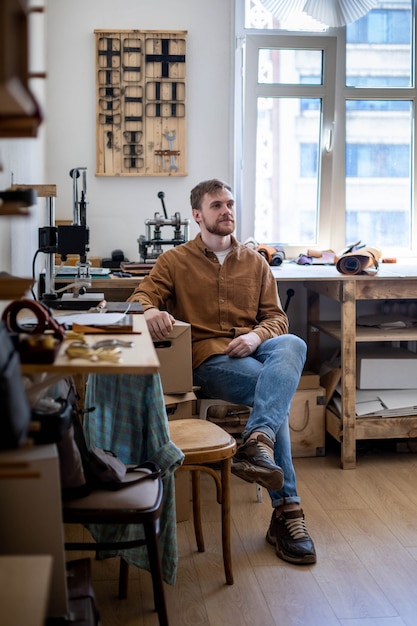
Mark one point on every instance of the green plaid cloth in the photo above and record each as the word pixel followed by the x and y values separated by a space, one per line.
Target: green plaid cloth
pixel 129 418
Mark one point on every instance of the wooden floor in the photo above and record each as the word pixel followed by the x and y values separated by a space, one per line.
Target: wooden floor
pixel 364 525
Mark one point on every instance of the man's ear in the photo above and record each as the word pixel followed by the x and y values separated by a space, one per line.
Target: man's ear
pixel 196 215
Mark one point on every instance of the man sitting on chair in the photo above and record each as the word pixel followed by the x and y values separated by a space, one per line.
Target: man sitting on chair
pixel 242 351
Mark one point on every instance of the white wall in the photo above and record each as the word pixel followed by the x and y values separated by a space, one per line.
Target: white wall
pixel 118 206
pixel 22 161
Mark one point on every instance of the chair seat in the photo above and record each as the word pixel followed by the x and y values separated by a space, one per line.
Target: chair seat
pixel 145 496
pixel 201 441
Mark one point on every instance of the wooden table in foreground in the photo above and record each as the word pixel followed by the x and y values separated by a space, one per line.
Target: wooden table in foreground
pixel 392 282
pixel 140 359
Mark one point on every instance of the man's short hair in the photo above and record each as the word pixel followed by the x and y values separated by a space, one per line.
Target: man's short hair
pixel 211 187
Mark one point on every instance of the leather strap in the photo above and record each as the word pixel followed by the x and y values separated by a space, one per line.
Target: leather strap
pixel 44 318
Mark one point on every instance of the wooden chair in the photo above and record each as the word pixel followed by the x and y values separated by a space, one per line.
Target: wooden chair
pixel 140 503
pixel 205 444
pixel 205 405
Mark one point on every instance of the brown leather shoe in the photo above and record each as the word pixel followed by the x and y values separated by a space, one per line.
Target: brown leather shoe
pixel 254 462
pixel 288 533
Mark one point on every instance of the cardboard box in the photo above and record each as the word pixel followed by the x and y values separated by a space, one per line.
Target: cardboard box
pixel 174 355
pixel 179 406
pixel 386 368
pixel 307 422
pixel 309 380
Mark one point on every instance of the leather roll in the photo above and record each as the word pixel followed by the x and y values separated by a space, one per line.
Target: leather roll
pixel 362 261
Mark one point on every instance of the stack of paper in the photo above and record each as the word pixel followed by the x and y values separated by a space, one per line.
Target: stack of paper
pixel 97 322
pixel 381 402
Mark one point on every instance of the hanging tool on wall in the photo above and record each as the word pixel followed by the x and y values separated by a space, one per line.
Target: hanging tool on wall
pixel 168 156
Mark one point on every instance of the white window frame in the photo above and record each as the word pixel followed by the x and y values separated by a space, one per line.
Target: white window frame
pixel 331 218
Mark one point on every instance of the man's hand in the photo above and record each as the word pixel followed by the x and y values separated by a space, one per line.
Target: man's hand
pixel 159 323
pixel 243 345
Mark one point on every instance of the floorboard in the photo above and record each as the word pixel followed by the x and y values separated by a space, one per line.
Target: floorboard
pixel 363 523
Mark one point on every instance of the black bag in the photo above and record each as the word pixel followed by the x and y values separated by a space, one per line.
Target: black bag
pixel 84 469
pixel 53 417
pixel 15 412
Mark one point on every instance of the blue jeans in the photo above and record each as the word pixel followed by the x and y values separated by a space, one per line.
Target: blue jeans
pixel 266 381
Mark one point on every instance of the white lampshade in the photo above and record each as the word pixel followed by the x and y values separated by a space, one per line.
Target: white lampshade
pixel 284 9
pixel 338 12
pixel 333 13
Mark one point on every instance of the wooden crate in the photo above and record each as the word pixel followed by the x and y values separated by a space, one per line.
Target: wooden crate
pixel 307 422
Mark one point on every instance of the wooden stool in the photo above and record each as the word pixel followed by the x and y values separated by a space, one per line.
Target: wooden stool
pixel 205 405
pixel 203 444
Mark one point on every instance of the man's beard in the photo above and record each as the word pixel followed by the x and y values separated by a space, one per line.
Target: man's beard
pixel 216 229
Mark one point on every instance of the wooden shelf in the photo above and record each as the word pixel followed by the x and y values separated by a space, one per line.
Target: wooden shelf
pixel 374 427
pixel 20 114
pixel 13 288
pixel 391 284
pixel 367 333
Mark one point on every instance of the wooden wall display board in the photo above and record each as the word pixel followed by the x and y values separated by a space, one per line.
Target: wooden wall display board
pixel 140 103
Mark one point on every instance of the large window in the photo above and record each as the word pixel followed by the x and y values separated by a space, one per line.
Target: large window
pixel 326 153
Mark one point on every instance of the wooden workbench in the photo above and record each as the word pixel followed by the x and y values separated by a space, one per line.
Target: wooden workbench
pixel 115 289
pixel 392 282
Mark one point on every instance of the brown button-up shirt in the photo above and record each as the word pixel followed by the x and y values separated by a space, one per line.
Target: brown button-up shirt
pixel 219 301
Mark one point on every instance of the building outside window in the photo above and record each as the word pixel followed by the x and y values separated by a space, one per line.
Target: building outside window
pixel 326 151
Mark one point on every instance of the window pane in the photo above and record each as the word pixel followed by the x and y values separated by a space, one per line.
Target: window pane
pixel 287 170
pixel 378 47
pixel 290 67
pixel 378 173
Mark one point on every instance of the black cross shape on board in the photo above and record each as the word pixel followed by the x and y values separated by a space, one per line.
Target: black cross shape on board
pixel 161 108
pixel 109 52
pixel 165 58
pixel 128 48
pixel 133 99
pixel 134 136
pixel 173 90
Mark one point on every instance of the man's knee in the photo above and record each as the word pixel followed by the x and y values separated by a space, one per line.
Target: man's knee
pixel 290 344
pixel 297 344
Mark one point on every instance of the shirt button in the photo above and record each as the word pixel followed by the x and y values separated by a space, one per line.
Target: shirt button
pixel 221 301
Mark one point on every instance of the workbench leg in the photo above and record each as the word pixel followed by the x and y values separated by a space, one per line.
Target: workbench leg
pixel 313 335
pixel 348 351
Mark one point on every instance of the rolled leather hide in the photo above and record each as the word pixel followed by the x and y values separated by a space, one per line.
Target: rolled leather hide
pixel 362 261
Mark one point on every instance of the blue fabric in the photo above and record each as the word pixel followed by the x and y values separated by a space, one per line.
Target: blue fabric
pixel 266 381
pixel 129 418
